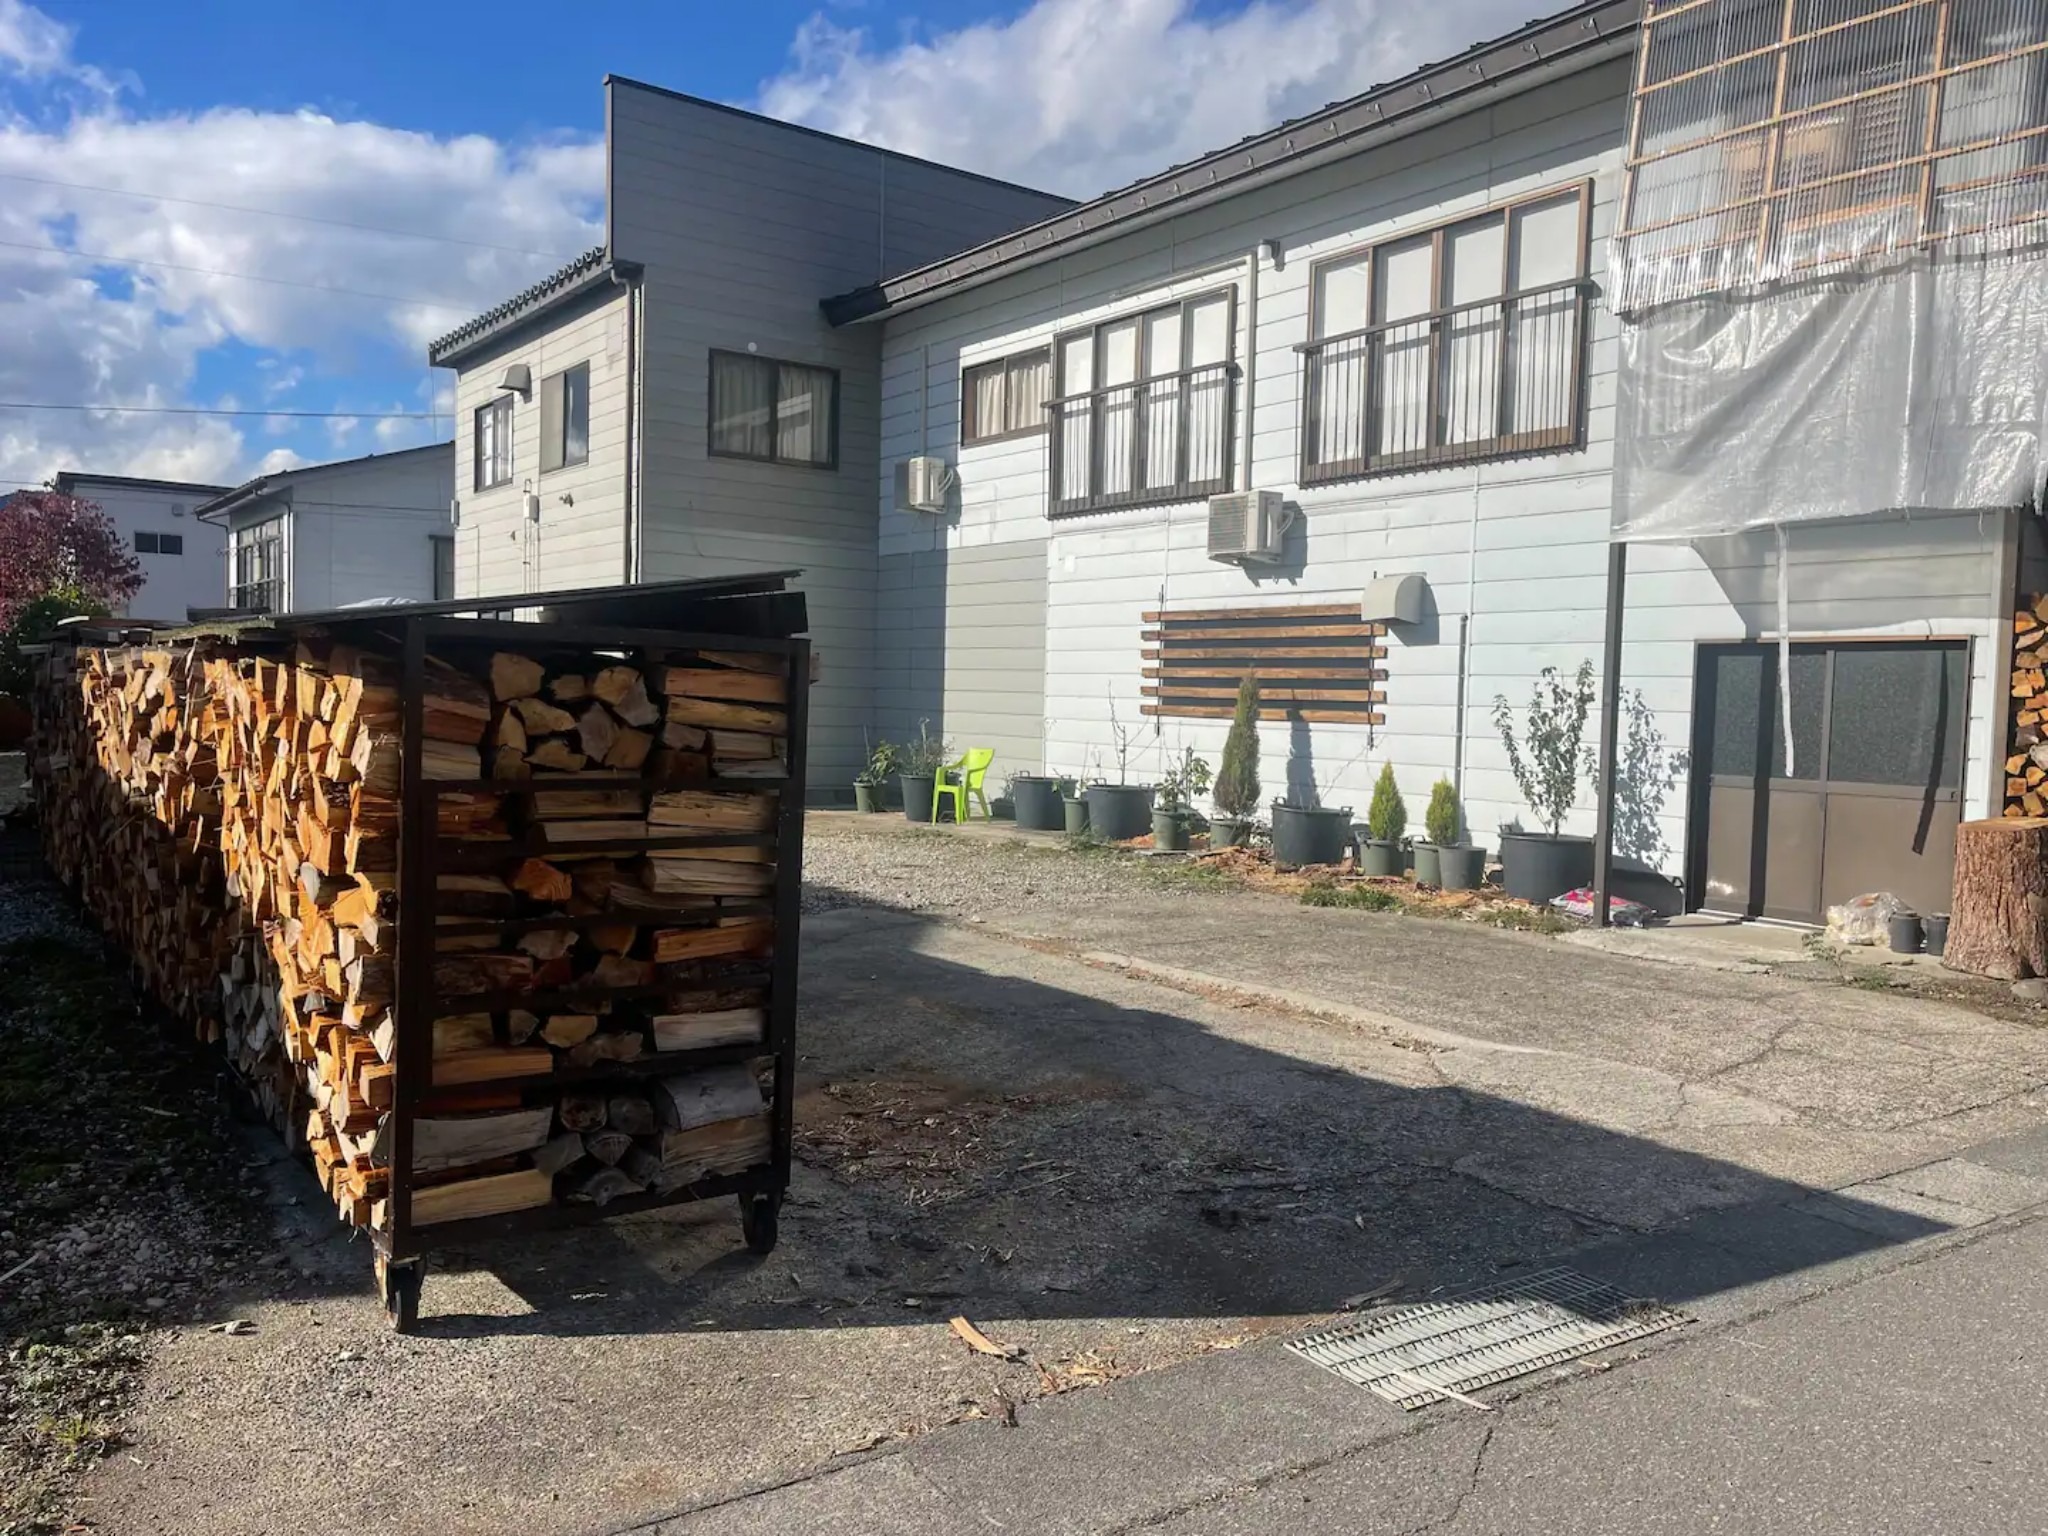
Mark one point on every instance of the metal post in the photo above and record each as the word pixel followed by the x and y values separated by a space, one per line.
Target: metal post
pixel 1610 730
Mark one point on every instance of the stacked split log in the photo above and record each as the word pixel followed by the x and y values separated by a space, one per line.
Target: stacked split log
pixel 231 814
pixel 2026 764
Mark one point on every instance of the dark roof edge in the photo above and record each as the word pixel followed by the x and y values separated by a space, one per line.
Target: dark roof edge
pixel 66 478
pixel 1590 26
pixel 836 138
pixel 592 270
pixel 261 485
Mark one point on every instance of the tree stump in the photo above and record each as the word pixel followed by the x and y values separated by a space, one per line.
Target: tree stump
pixel 1998 923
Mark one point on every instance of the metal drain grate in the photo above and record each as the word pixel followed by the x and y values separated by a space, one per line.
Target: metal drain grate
pixel 1478 1337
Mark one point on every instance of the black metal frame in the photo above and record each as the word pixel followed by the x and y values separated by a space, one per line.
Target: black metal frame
pixel 1181 380
pixel 778 363
pixel 424 853
pixel 970 419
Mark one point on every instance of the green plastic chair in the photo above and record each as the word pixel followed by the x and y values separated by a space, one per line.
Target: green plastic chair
pixel 972 769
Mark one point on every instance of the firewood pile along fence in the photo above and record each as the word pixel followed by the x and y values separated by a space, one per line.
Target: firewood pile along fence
pixel 495 919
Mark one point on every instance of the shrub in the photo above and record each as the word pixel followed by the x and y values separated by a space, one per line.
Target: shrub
pixel 1237 785
pixel 1444 816
pixel 1387 817
pixel 1362 898
pixel 926 755
pixel 1186 779
pixel 1546 759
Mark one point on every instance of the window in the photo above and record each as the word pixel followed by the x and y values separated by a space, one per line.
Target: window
pixel 565 418
pixel 444 565
pixel 1461 342
pixel 1005 398
pixel 147 543
pixel 780 413
pixel 1145 407
pixel 259 566
pixel 494 443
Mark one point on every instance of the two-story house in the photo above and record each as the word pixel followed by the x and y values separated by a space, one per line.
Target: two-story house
pixel 180 556
pixel 673 404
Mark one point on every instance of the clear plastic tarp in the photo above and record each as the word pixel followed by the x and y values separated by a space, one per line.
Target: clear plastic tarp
pixel 1831 262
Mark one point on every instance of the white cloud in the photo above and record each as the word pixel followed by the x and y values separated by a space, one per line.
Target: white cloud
pixel 1079 96
pixel 138 334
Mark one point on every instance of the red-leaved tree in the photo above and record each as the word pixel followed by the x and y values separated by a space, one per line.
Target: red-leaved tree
pixel 54 546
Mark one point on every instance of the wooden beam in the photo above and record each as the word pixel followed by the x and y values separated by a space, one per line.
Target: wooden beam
pixel 1352 631
pixel 1363 693
pixel 1224 712
pixel 1361 673
pixel 1254 660
pixel 1235 615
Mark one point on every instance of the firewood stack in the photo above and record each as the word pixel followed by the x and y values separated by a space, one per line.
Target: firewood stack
pixel 2026 766
pixel 231 815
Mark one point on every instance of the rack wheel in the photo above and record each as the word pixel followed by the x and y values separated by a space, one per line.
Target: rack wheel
pixel 757 1222
pixel 400 1284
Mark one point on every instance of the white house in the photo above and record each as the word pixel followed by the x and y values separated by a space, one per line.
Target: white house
pixel 329 535
pixel 181 557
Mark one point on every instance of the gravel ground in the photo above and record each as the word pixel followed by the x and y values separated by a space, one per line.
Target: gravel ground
pixel 115 1199
pixel 883 861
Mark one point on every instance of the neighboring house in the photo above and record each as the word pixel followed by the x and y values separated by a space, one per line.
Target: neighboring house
pixel 180 556
pixel 673 404
pixel 329 535
pixel 1393 315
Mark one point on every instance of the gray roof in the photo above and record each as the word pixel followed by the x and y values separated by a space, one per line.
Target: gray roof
pixel 590 270
pixel 67 478
pixel 1586 33
pixel 257 488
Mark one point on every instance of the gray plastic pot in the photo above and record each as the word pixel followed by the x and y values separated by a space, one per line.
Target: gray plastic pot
pixel 917 796
pixel 1119 812
pixel 1038 802
pixel 1428 871
pixel 1378 857
pixel 1934 932
pixel 1303 836
pixel 867 797
pixel 1536 867
pixel 1904 933
pixel 1170 831
pixel 1461 869
pixel 1074 816
pixel 1230 831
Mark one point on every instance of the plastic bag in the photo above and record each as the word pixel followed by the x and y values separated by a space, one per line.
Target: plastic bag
pixel 1621 913
pixel 1865 919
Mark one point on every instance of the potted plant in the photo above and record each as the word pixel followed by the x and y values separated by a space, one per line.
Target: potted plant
pixel 871 784
pixel 1177 790
pixel 1459 866
pixel 917 770
pixel 1122 810
pixel 1037 797
pixel 1545 759
pixel 1386 823
pixel 1237 781
pixel 1305 831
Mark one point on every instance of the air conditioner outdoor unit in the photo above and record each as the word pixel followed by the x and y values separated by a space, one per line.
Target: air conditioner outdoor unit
pixel 1247 526
pixel 922 483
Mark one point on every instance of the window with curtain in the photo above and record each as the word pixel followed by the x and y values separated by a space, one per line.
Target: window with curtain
pixel 494 443
pixel 565 418
pixel 259 566
pixel 1146 406
pixel 1005 398
pixel 774 411
pixel 1460 342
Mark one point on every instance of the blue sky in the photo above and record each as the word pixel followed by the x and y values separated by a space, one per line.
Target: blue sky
pixel 220 204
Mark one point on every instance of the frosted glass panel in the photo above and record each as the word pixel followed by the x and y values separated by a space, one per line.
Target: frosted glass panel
pixel 1404 280
pixel 1342 291
pixel 1209 325
pixel 1547 243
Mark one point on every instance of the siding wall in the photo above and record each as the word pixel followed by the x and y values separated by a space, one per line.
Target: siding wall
pixel 1514 551
pixel 581 543
pixel 743 225
pixel 196 578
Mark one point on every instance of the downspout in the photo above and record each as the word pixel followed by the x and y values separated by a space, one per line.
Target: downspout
pixel 1250 369
pixel 629 510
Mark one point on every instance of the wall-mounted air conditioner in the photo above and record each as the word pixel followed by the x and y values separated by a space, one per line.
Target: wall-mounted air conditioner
pixel 1247 527
pixel 923 483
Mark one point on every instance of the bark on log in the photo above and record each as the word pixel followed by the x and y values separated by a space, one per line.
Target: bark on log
pixel 1998 920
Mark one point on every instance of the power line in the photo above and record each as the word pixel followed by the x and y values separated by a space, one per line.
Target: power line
pixel 246 277
pixel 274 213
pixel 206 410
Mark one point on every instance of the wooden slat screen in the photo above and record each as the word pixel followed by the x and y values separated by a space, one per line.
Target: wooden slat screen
pixel 1318 662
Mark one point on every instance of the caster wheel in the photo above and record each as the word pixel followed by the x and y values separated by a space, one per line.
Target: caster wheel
pixel 757 1222
pixel 400 1284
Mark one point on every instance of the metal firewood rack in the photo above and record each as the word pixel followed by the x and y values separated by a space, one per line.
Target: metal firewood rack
pixel 760 622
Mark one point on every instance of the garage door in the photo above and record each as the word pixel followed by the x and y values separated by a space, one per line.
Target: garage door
pixel 1875 789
